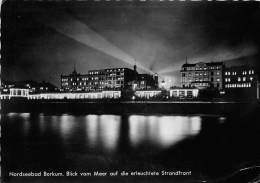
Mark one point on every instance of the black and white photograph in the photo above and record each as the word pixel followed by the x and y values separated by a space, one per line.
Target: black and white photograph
pixel 130 91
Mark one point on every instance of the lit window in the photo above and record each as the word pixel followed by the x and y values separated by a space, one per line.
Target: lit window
pixel 217 73
pixel 244 78
pixel 251 78
pixel 238 79
pixel 252 71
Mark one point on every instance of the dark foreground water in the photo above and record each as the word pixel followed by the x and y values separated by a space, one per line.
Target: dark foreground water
pixel 201 147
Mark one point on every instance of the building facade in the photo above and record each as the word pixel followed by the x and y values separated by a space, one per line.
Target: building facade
pixel 147 81
pixel 184 92
pixel 240 77
pixel 241 82
pixel 33 87
pixel 97 80
pixel 202 75
pixel 107 79
pixel 77 95
pixel 147 94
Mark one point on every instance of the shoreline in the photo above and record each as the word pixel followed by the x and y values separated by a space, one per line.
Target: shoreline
pixel 131 107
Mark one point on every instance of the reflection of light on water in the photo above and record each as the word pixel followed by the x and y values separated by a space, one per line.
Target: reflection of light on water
pixel 164 131
pixel 195 125
pixel 222 119
pixel 103 130
pixel 135 125
pixel 55 123
pixel 24 118
pixel 25 115
pixel 42 122
pixel 92 128
pixel 26 122
pixel 66 125
pixel 109 129
pixel 12 114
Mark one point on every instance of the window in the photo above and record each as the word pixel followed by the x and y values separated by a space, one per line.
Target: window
pixel 244 78
pixel 238 79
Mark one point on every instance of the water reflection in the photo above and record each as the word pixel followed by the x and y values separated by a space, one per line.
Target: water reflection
pixel 41 141
pixel 103 131
pixel 67 123
pixel 162 131
pixel 108 133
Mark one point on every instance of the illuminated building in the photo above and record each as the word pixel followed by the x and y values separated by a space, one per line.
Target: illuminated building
pixel 80 95
pixel 15 93
pixel 240 77
pixel 202 75
pixel 147 81
pixel 107 79
pixel 147 94
pixel 39 87
pixel 240 82
pixel 20 88
pixel 97 80
pixel 184 92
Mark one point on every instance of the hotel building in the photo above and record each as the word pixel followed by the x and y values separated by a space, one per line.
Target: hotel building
pixel 240 77
pixel 107 79
pixel 184 92
pixel 202 75
pixel 97 80
pixel 240 82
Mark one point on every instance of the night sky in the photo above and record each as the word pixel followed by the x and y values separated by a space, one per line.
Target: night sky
pixel 42 40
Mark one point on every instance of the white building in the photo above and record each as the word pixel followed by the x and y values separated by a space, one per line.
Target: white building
pixel 83 95
pixel 16 93
pixel 184 92
pixel 147 93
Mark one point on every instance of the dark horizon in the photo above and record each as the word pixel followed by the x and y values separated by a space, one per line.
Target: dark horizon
pixel 41 41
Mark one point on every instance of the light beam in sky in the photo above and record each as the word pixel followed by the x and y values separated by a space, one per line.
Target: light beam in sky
pixel 80 32
pixel 218 54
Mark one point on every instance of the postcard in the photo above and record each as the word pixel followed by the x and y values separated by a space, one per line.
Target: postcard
pixel 130 91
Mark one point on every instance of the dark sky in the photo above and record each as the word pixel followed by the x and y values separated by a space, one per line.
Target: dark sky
pixel 42 40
